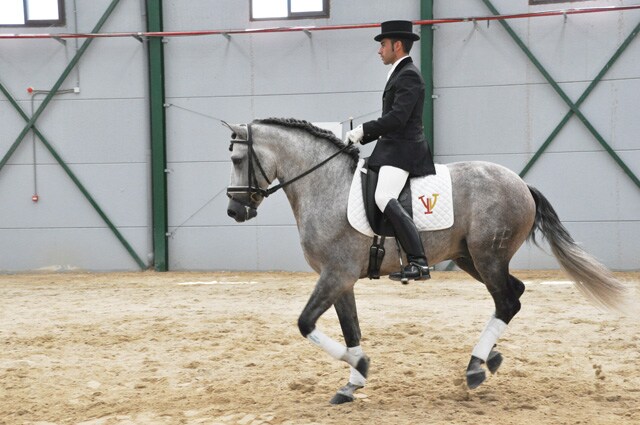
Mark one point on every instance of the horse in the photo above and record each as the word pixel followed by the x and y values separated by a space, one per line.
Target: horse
pixel 495 212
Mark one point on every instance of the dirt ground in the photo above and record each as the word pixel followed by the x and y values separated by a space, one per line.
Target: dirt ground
pixel 223 348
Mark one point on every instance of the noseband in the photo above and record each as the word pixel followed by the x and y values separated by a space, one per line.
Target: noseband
pixel 253 188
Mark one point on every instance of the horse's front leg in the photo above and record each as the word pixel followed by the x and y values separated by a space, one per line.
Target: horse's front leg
pixel 329 290
pixel 347 314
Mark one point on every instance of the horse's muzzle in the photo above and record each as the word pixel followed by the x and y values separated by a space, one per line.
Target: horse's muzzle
pixel 239 212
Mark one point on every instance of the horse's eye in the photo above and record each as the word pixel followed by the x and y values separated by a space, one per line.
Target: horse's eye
pixel 236 161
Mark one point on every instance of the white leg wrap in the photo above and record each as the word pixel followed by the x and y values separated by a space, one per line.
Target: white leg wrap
pixel 332 347
pixel 356 377
pixel 489 337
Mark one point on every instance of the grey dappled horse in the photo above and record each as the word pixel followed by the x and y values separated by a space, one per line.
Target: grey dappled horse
pixel 495 212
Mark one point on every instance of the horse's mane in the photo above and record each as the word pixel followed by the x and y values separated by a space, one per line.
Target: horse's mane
pixel 352 151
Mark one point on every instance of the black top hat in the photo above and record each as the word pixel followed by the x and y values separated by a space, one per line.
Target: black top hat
pixel 397 29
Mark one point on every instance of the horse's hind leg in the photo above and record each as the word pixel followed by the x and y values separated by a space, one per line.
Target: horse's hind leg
pixel 348 316
pixel 494 359
pixel 505 291
pixel 466 264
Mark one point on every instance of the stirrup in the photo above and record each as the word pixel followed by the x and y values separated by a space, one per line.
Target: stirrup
pixel 412 271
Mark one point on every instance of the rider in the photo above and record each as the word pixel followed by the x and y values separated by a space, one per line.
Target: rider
pixel 401 151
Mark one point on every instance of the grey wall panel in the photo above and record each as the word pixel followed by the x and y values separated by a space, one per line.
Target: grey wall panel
pixel 117 188
pixel 194 132
pixel 612 243
pixel 193 187
pixel 40 68
pixel 113 68
pixel 92 249
pixel 587 187
pixel 202 14
pixel 11 124
pixel 198 194
pixel 278 248
pixel 220 248
pixel 268 64
pixel 330 107
pixel 94 131
pixel 238 247
pixel 605 242
pixel 575 50
pixel 530 256
pixel 205 66
pixel 127 16
pixel 520 118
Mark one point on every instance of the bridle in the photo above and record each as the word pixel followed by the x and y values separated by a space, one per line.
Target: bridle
pixel 253 188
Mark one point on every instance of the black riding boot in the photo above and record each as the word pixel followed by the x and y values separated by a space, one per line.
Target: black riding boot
pixel 409 238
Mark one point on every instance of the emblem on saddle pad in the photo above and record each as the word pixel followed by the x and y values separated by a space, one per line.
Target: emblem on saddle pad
pixel 429 202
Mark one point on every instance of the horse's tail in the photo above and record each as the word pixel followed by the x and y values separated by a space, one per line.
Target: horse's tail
pixel 591 277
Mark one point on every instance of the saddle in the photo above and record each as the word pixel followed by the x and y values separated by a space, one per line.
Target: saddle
pixel 428 200
pixel 378 222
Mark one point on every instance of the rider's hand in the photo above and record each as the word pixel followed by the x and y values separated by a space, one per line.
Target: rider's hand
pixel 355 135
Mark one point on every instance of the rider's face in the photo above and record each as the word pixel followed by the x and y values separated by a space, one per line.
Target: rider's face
pixel 387 51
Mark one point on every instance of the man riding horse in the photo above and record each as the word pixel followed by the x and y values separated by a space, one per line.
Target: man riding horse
pixel 401 151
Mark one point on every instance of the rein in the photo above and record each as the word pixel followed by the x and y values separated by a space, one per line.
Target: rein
pixel 253 188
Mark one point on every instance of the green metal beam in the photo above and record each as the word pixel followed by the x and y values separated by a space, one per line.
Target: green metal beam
pixel 562 94
pixel 31 126
pixel 426 65
pixel 158 137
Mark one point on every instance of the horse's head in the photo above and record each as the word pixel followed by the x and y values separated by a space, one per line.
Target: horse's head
pixel 251 174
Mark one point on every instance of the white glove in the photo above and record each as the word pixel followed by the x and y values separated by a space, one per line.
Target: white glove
pixel 355 135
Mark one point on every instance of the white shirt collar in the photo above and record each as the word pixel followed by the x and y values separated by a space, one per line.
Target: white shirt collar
pixel 395 65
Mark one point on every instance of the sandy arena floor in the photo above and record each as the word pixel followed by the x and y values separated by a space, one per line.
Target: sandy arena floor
pixel 145 348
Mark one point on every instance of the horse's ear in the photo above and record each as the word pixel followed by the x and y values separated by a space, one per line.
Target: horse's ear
pixel 239 130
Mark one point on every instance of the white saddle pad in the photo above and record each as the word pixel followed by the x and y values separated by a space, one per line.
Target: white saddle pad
pixel 431 201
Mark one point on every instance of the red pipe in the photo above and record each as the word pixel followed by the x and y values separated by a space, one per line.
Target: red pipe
pixel 314 28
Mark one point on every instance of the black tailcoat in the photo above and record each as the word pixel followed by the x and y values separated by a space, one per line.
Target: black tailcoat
pixel 399 130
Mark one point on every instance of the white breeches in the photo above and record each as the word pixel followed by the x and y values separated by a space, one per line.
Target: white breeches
pixel 391 180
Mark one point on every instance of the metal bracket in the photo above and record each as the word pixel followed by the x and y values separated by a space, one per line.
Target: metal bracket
pixel 60 40
pixel 139 37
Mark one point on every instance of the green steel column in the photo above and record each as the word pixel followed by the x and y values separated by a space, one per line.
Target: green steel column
pixel 158 137
pixel 426 65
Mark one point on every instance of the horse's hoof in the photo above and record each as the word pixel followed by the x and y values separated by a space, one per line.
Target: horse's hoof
pixel 494 361
pixel 345 394
pixel 363 366
pixel 475 378
pixel 475 373
pixel 340 398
